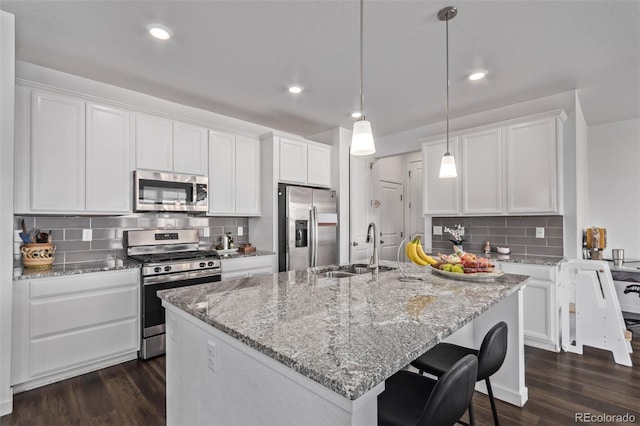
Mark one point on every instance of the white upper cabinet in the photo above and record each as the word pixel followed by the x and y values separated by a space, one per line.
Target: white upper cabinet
pixel 481 158
pixel 108 159
pixel 234 177
pixel 305 163
pixel 154 143
pixel 507 168
pixel 319 165
pixel 189 149
pixel 293 161
pixel 71 156
pixel 441 196
pixel 247 176
pixel 57 153
pixel 532 171
pixel 163 144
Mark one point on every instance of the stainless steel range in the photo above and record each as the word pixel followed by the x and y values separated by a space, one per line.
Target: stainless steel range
pixel 170 258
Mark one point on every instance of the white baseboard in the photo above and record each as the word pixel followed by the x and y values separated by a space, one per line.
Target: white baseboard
pixel 507 395
pixel 6 406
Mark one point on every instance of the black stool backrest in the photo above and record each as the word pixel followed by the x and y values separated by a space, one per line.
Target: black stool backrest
pixel 452 394
pixel 492 351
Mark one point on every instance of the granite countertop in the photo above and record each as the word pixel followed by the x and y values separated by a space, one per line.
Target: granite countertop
pixel 102 266
pixel 525 259
pixel 348 334
pixel 73 269
pixel 237 255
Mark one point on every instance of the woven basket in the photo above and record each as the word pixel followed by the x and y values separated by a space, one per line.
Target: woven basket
pixel 37 255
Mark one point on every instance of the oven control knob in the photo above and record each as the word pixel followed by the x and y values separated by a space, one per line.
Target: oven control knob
pixel 202 264
pixel 157 269
pixel 210 263
pixel 167 268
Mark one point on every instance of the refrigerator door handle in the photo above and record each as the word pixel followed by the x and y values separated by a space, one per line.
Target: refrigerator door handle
pixel 313 261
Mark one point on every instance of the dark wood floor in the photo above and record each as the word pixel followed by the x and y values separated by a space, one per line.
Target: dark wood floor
pixel 133 393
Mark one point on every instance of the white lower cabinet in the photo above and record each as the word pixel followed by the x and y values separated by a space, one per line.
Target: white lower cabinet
pixel 540 304
pixel 69 325
pixel 244 267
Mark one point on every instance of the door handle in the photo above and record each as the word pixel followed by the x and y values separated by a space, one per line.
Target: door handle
pixel 355 243
pixel 381 241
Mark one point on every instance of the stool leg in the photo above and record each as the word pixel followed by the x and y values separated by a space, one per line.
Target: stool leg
pixel 493 403
pixel 472 420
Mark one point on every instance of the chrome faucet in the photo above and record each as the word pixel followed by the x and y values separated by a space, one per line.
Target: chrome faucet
pixel 374 262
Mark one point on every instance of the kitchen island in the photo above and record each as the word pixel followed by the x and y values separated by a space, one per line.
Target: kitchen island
pixel 300 348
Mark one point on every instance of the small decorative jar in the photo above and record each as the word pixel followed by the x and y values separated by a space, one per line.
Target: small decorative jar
pixel 37 255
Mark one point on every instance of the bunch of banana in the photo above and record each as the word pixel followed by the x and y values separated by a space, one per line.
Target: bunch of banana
pixel 416 254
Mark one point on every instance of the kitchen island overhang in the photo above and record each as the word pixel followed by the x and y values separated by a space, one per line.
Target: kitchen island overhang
pixel 296 347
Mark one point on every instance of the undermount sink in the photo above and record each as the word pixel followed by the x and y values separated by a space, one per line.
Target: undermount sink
pixel 352 270
pixel 338 274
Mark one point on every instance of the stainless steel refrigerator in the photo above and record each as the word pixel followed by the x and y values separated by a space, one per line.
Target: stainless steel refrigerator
pixel 307 227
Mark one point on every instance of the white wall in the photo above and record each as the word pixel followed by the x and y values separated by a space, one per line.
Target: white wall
pixel 614 182
pixel 582 175
pixel 7 79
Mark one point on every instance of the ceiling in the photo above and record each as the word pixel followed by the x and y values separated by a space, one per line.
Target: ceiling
pixel 238 57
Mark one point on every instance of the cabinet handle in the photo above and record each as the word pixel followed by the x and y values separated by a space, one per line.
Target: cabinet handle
pixel 381 241
pixel 355 243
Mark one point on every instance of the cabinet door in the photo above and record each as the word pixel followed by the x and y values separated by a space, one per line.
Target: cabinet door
pixel 532 167
pixel 319 165
pixel 540 304
pixel 481 162
pixel 441 196
pixel 247 172
pixel 538 315
pixel 154 145
pixel 108 160
pixel 189 149
pixel 57 153
pixel 293 161
pixel 222 184
pixel 22 150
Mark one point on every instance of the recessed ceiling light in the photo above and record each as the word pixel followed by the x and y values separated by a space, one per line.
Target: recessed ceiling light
pixel 477 75
pixel 295 89
pixel 159 31
pixel 356 114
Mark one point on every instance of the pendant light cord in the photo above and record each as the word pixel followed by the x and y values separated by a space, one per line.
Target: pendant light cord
pixel 361 59
pixel 447 44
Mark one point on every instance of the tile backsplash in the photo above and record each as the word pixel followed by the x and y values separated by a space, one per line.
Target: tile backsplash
pixel 516 232
pixel 107 232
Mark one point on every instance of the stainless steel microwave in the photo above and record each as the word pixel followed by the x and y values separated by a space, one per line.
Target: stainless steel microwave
pixel 165 191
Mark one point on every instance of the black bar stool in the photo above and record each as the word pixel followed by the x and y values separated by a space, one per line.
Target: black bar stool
pixel 412 399
pixel 490 358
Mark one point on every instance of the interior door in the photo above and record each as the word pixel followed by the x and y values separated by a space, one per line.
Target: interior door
pixel 389 201
pixel 359 202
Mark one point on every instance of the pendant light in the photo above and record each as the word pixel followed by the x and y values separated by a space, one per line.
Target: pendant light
pixel 448 165
pixel 362 139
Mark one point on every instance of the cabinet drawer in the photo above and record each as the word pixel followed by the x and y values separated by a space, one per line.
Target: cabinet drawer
pixel 244 263
pixel 46 287
pixel 65 351
pixel 54 315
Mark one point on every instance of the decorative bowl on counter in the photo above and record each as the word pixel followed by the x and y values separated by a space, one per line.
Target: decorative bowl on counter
pixel 37 255
pixel 503 250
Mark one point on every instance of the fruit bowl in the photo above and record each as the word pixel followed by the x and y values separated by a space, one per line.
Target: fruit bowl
pixel 476 276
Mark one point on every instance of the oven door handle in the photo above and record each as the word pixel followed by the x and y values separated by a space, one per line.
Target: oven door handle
pixel 180 276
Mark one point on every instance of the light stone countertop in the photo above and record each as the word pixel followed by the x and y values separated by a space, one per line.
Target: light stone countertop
pixel 74 269
pixel 241 255
pixel 348 334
